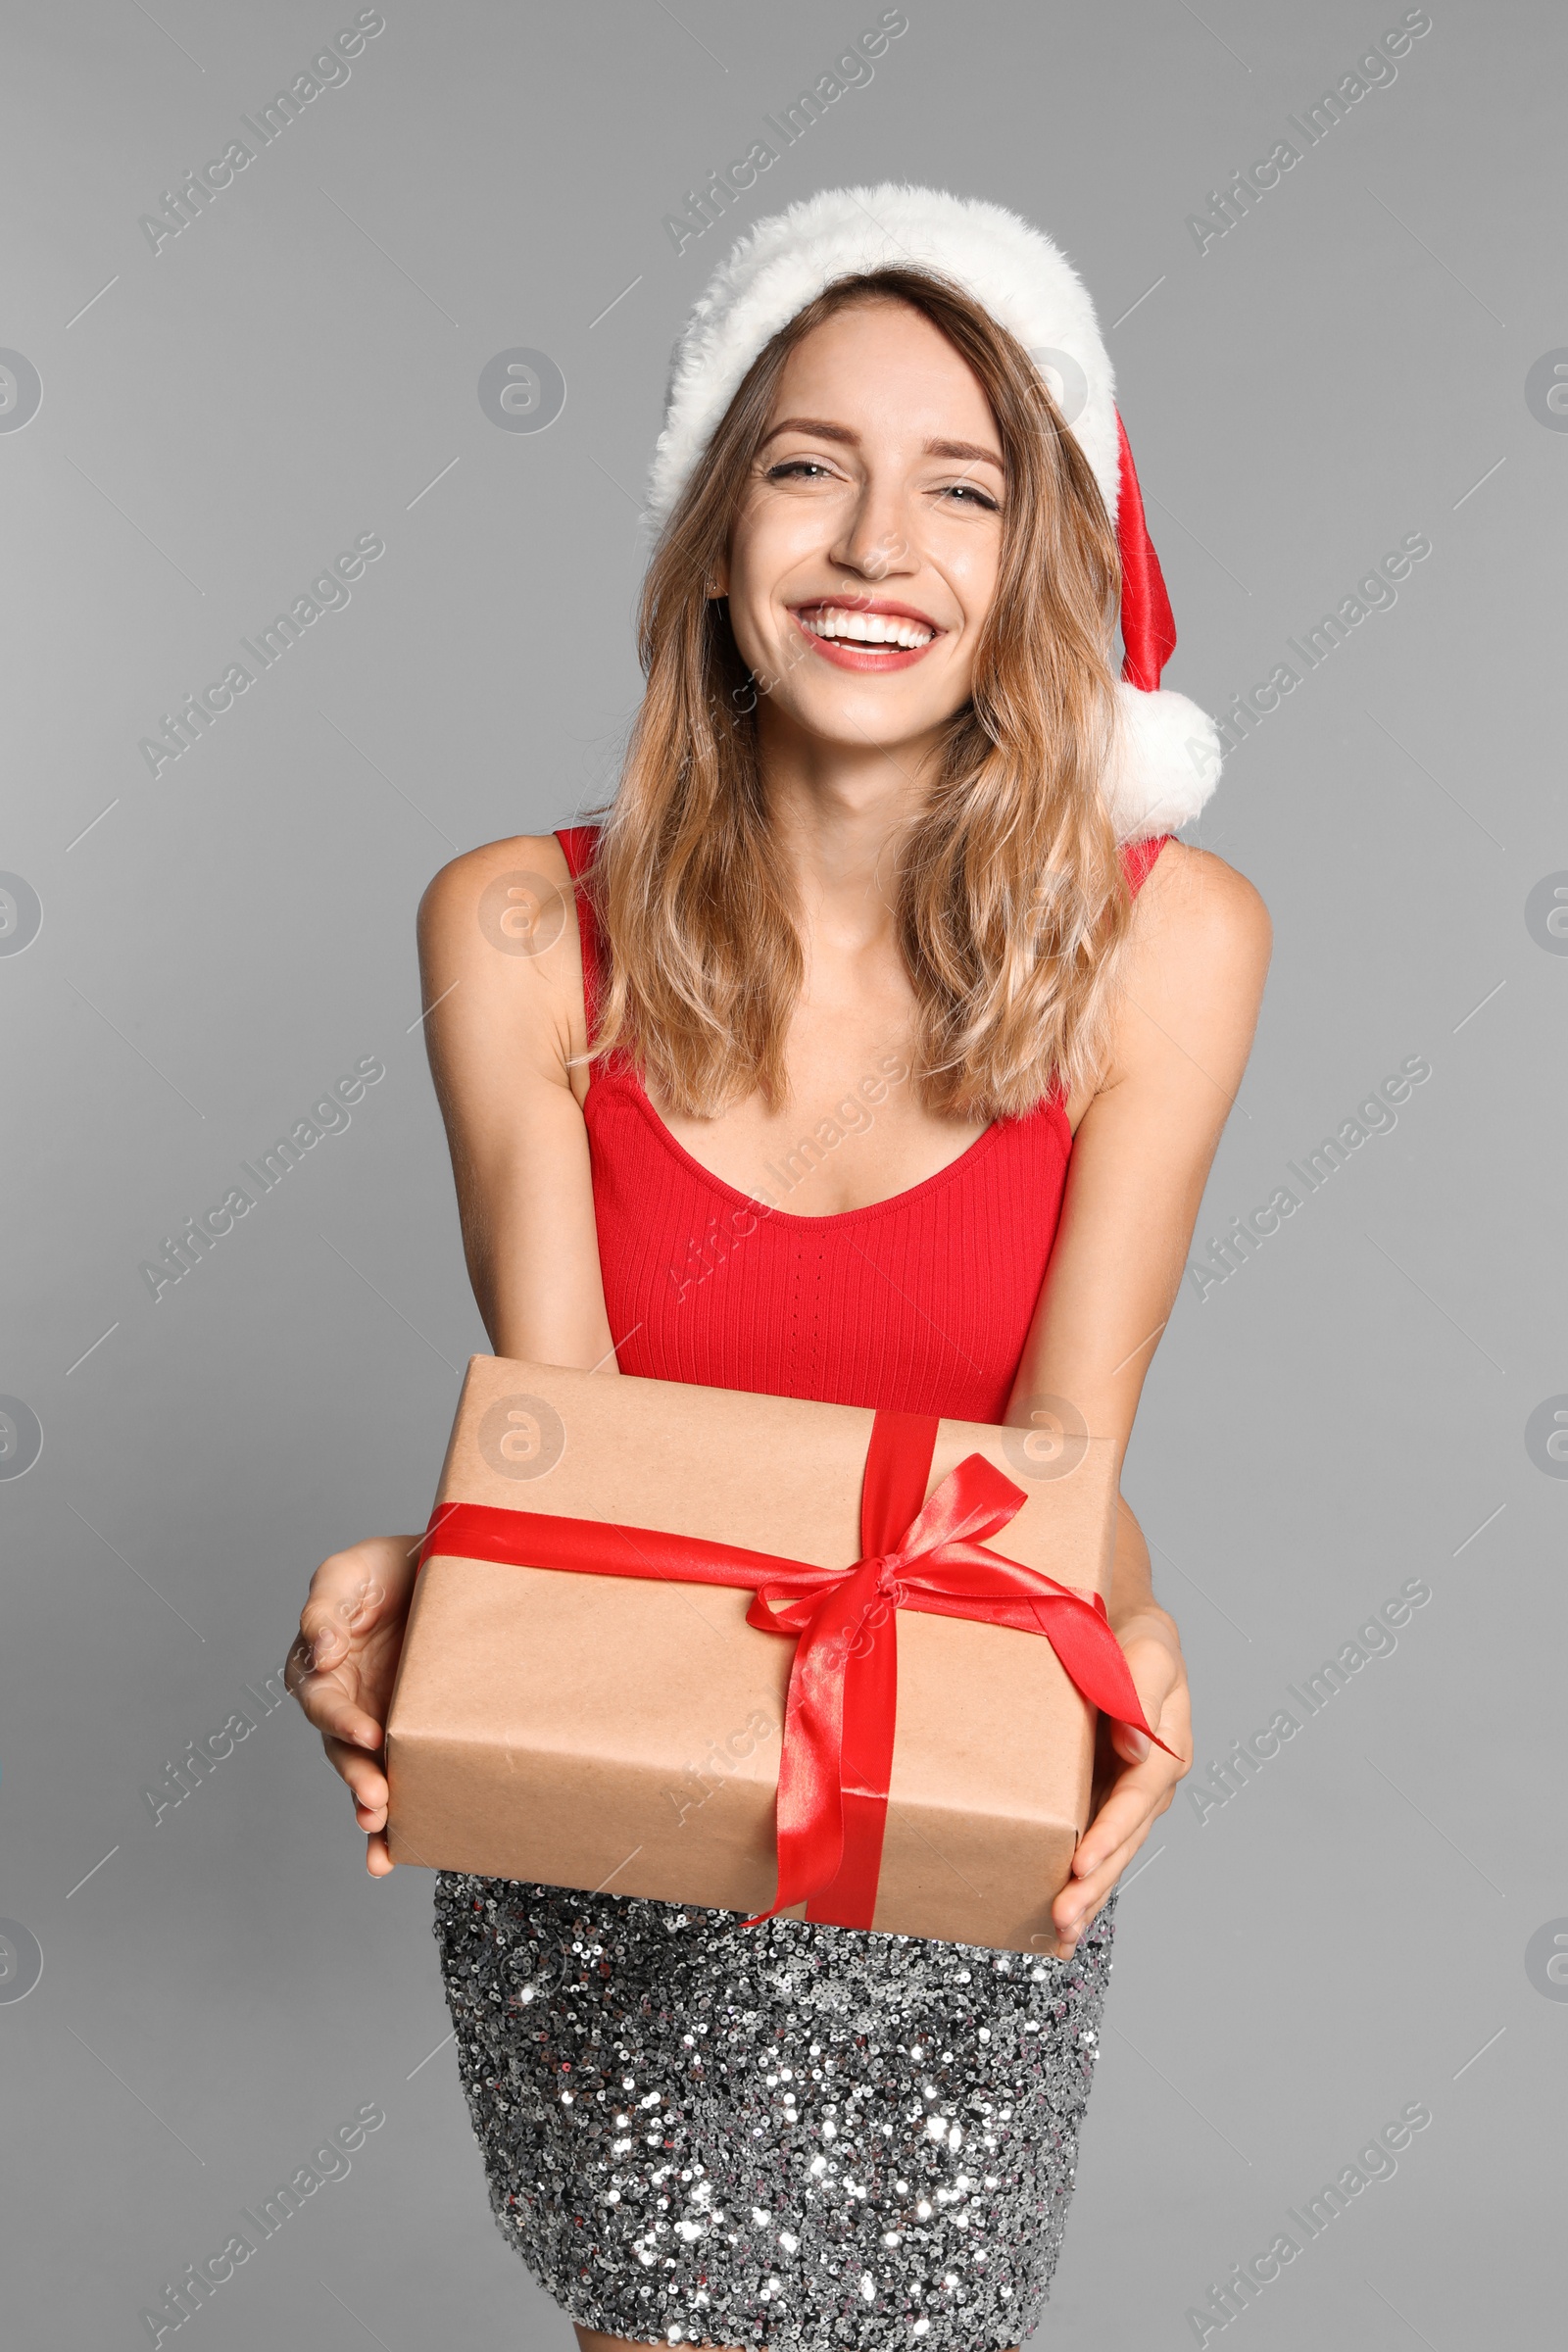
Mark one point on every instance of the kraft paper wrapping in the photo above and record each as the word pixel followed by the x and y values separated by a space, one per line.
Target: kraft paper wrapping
pixel 611 1734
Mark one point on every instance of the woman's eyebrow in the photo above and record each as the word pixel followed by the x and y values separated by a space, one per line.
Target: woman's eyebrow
pixel 964 448
pixel 825 431
pixel 810 424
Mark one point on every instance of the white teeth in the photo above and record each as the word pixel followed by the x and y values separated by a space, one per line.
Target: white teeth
pixel 865 629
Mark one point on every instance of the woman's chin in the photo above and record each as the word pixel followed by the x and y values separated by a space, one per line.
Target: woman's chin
pixel 853 717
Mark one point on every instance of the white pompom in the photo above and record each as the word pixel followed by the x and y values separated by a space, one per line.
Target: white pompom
pixel 1165 762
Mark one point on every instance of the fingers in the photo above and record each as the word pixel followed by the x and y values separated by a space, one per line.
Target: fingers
pixel 1157 1670
pixel 1159 1677
pixel 1126 1818
pixel 350 1594
pixel 1140 1794
pixel 367 1781
pixel 1082 1897
pixel 368 1785
pixel 1073 1924
pixel 1137 1795
pixel 329 1628
pixel 342 1666
pixel 331 1703
pixel 343 1661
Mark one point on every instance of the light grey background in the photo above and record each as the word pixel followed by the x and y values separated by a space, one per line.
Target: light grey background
pixel 297 368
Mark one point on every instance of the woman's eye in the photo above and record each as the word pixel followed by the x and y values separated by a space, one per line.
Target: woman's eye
pixel 968 495
pixel 794 467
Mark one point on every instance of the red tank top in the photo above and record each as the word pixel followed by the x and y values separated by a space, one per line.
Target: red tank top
pixel 920 1303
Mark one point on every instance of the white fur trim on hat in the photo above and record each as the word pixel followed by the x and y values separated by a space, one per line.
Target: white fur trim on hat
pixel 1166 758
pixel 785 261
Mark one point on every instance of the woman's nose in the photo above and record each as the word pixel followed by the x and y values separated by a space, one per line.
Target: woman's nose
pixel 876 544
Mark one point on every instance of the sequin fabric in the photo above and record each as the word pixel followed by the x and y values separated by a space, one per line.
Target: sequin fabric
pixel 790 2136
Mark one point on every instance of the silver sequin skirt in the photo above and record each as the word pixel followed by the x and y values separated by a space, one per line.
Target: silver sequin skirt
pixel 796 2135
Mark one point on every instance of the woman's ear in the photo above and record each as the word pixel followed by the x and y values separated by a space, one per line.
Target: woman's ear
pixel 717 584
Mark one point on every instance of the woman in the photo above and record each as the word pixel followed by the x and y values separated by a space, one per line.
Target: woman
pixel 854 1057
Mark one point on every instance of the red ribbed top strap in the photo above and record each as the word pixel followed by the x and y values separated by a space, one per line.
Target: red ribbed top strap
pixel 577 847
pixel 1136 856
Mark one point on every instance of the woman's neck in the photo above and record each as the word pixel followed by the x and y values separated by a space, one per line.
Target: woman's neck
pixel 836 815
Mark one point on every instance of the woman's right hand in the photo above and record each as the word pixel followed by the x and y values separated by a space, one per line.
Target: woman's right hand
pixel 344 1663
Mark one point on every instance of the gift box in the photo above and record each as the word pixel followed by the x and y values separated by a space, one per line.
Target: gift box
pixel 755 1653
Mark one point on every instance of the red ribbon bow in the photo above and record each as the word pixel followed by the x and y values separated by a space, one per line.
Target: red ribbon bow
pixel 925 1554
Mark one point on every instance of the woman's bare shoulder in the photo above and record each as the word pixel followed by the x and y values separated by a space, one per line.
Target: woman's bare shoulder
pixel 1196 963
pixel 1196 897
pixel 455 894
pixel 1201 922
pixel 499 952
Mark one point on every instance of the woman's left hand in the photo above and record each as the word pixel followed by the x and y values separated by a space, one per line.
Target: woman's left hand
pixel 1144 1778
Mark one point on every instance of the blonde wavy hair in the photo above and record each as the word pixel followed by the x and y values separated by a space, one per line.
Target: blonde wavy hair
pixel 1011 899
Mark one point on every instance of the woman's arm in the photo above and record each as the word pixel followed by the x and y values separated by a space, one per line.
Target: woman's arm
pixel 503 1031
pixel 1194 978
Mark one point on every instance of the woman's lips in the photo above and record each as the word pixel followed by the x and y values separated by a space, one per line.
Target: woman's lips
pixel 848 653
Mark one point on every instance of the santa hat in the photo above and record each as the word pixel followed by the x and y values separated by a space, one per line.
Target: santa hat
pixel 1167 755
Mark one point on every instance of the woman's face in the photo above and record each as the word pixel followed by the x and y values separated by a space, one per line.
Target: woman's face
pixel 866 551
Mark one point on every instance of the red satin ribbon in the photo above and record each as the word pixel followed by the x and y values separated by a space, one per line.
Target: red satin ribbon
pixel 839 1720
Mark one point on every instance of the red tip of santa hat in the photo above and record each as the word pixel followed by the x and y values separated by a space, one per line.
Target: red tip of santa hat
pixel 1166 760
pixel 1148 624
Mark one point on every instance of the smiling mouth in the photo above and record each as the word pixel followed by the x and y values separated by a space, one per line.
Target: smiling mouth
pixel 867 635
